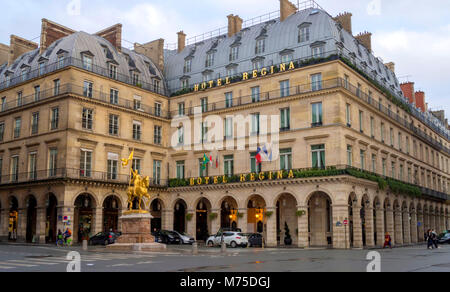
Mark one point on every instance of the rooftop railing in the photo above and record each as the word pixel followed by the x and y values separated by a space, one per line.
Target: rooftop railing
pixel 69 88
pixel 96 69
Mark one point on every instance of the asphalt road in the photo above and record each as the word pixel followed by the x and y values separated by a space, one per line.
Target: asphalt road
pixel 20 258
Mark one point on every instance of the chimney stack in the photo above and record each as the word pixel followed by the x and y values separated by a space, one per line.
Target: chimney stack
pixel 4 54
pixel 391 66
pixel 153 50
pixel 18 47
pixel 181 41
pixel 234 24
pixel 51 32
pixel 345 20
pixel 286 9
pixel 420 101
pixel 408 91
pixel 365 38
pixel 113 34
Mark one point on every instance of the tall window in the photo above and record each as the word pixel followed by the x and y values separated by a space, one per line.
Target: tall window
pixel 361 121
pixel 260 46
pixel 34 123
pixel 228 163
pixel 17 127
pixel 15 168
pixel 137 130
pixel 56 87
pixel 362 155
pixel 234 53
pixel 135 78
pixel 158 109
pixel 372 127
pixel 60 63
pixel 180 136
pixel 256 94
pixel 285 116
pixel 348 115
pixel 393 170
pixel 54 119
pixel 85 163
pixel 112 166
pixel 255 167
pixel 316 82
pixel 255 124
pixel 41 68
pixel 184 83
pixel 303 34
pixel 286 159
pixel 24 74
pixel 204 104
pixel 181 109
pixel 157 172
pixel 210 60
pixel 318 52
pixel 180 169
pixel 318 156
pixel 187 66
pixel 401 172
pixel 204 129
pixel 112 71
pixel 2 131
pixel 113 125
pixel 157 135
pixel 400 142
pixel 52 162
pixel 37 93
pixel 382 132
pixel 284 88
pixel 228 128
pixel 137 103
pixel 87 62
pixel 114 96
pixel 203 169
pixel 374 163
pixel 392 137
pixel 4 103
pixel 19 98
pixel 136 165
pixel 87 118
pixel 383 166
pixel 229 99
pixel 349 155
pixel 32 166
pixel 346 81
pixel 87 89
pixel 317 114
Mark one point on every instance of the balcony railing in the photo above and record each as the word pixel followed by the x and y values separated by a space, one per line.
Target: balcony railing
pixel 93 94
pixel 70 173
pixel 78 63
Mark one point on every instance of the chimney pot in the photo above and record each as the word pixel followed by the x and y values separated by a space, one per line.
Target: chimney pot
pixel 286 9
pixel 181 41
pixel 391 66
pixel 345 20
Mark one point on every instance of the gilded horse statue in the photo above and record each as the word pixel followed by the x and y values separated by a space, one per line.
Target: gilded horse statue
pixel 139 190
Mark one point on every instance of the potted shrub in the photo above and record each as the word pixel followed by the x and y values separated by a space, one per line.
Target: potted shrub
pixel 287 235
pixel 189 216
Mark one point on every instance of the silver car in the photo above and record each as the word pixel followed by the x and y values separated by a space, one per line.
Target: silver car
pixel 231 238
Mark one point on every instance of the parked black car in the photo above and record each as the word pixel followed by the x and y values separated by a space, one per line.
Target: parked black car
pixel 167 237
pixel 444 239
pixel 103 238
pixel 184 238
pixel 255 240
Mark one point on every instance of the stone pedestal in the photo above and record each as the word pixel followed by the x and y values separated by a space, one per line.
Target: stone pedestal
pixel 136 234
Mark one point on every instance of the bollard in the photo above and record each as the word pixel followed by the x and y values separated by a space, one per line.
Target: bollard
pixel 223 247
pixel 195 248
pixel 85 244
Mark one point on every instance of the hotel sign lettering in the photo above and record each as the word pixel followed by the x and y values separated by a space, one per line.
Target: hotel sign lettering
pixel 262 176
pixel 246 76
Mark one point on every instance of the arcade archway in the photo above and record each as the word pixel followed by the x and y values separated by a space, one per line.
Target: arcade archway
pixel 287 217
pixel 31 205
pixel 13 218
pixel 203 211
pixel 256 215
pixel 51 204
pixel 84 217
pixel 111 207
pixel 156 208
pixel 320 220
pixel 179 216
pixel 228 213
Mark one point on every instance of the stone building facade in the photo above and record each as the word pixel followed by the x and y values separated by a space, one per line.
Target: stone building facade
pixel 356 158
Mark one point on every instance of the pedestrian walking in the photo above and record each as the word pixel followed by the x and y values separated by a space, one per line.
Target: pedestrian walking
pixel 434 236
pixel 387 241
pixel 429 239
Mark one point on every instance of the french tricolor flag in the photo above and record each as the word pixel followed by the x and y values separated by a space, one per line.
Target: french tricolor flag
pixel 262 154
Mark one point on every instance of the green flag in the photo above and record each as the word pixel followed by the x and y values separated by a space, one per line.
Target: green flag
pixel 205 161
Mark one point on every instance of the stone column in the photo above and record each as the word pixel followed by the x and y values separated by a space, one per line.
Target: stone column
pixel 398 227
pixel 414 235
pixel 390 224
pixel 380 226
pixel 22 225
pixel 421 228
pixel 303 234
pixel 242 222
pixel 191 230
pixel 215 224
pixel 426 222
pixel 406 227
pixel 4 222
pixel 340 236
pixel 41 220
pixel 97 221
pixel 432 221
pixel 370 241
pixel 271 231
pixel 167 219
pixel 357 228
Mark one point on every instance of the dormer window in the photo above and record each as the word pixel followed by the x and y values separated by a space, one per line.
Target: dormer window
pixel 210 59
pixel 185 83
pixel 135 78
pixel 234 53
pixel 156 85
pixel 41 68
pixel 187 66
pixel 112 71
pixel 318 50
pixel 60 61
pixel 8 80
pixel 287 55
pixel 87 62
pixel 232 70
pixel 304 32
pixel 207 75
pixel 260 46
pixel 258 64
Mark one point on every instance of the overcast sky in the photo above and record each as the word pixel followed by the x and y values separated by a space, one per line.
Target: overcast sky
pixel 414 34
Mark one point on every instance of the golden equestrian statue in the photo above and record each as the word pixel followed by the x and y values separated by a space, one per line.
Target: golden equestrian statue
pixel 138 188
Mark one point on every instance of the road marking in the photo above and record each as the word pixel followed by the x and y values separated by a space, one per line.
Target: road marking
pixel 6 268
pixel 33 262
pixel 19 265
pixel 122 265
